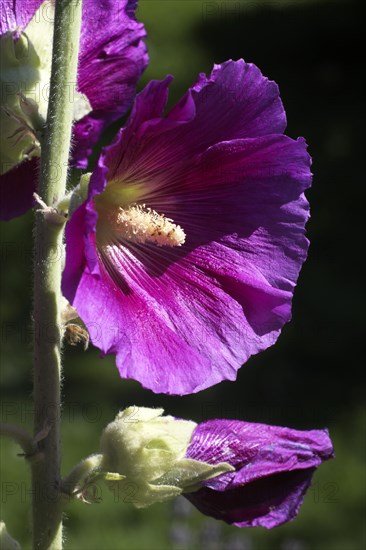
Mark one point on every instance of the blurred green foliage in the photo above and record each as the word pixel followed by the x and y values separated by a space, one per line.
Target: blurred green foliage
pixel 312 377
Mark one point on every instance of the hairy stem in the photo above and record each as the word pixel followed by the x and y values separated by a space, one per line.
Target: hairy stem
pixel 46 477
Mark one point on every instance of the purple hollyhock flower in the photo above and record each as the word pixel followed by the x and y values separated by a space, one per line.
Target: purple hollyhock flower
pixel 111 60
pixel 273 470
pixel 184 257
pixel 245 474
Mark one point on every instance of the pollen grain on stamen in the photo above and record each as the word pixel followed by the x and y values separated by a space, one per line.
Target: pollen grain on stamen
pixel 140 224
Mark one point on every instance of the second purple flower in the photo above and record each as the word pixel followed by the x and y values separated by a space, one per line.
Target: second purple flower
pixel 111 59
pixel 184 256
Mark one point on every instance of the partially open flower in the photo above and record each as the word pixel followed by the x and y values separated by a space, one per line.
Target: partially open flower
pixel 184 256
pixel 111 60
pixel 243 473
pixel 273 470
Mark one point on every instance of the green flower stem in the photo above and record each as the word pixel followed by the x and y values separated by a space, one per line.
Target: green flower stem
pixel 55 147
pixel 20 436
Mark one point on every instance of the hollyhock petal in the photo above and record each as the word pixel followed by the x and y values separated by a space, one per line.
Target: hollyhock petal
pixel 246 104
pixel 138 339
pixel 235 102
pixel 114 46
pixel 112 57
pixel 273 469
pixel 264 503
pixel 272 172
pixel 187 316
pixel 17 13
pixel 256 450
pixel 16 189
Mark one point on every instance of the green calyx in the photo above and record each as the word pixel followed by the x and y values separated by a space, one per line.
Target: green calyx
pixel 20 118
pixel 6 541
pixel 25 76
pixel 76 197
pixel 144 457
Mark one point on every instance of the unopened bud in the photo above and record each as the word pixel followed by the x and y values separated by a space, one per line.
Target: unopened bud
pixel 149 451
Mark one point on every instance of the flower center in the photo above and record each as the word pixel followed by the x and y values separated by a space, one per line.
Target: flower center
pixel 139 224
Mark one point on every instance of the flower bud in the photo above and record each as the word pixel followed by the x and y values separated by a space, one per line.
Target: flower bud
pixel 144 453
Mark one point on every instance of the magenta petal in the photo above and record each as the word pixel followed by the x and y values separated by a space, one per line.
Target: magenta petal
pixel 75 254
pixel 17 13
pixel 235 102
pixel 273 469
pixel 112 54
pixel 256 450
pixel 253 190
pixel 112 57
pixel 16 189
pixel 268 502
pixel 80 235
pixel 246 104
pixel 125 323
pixel 137 344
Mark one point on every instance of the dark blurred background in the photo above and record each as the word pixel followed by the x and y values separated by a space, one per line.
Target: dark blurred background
pixel 312 377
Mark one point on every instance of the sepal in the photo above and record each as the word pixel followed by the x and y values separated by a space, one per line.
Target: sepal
pixel 77 195
pixel 6 541
pixel 149 451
